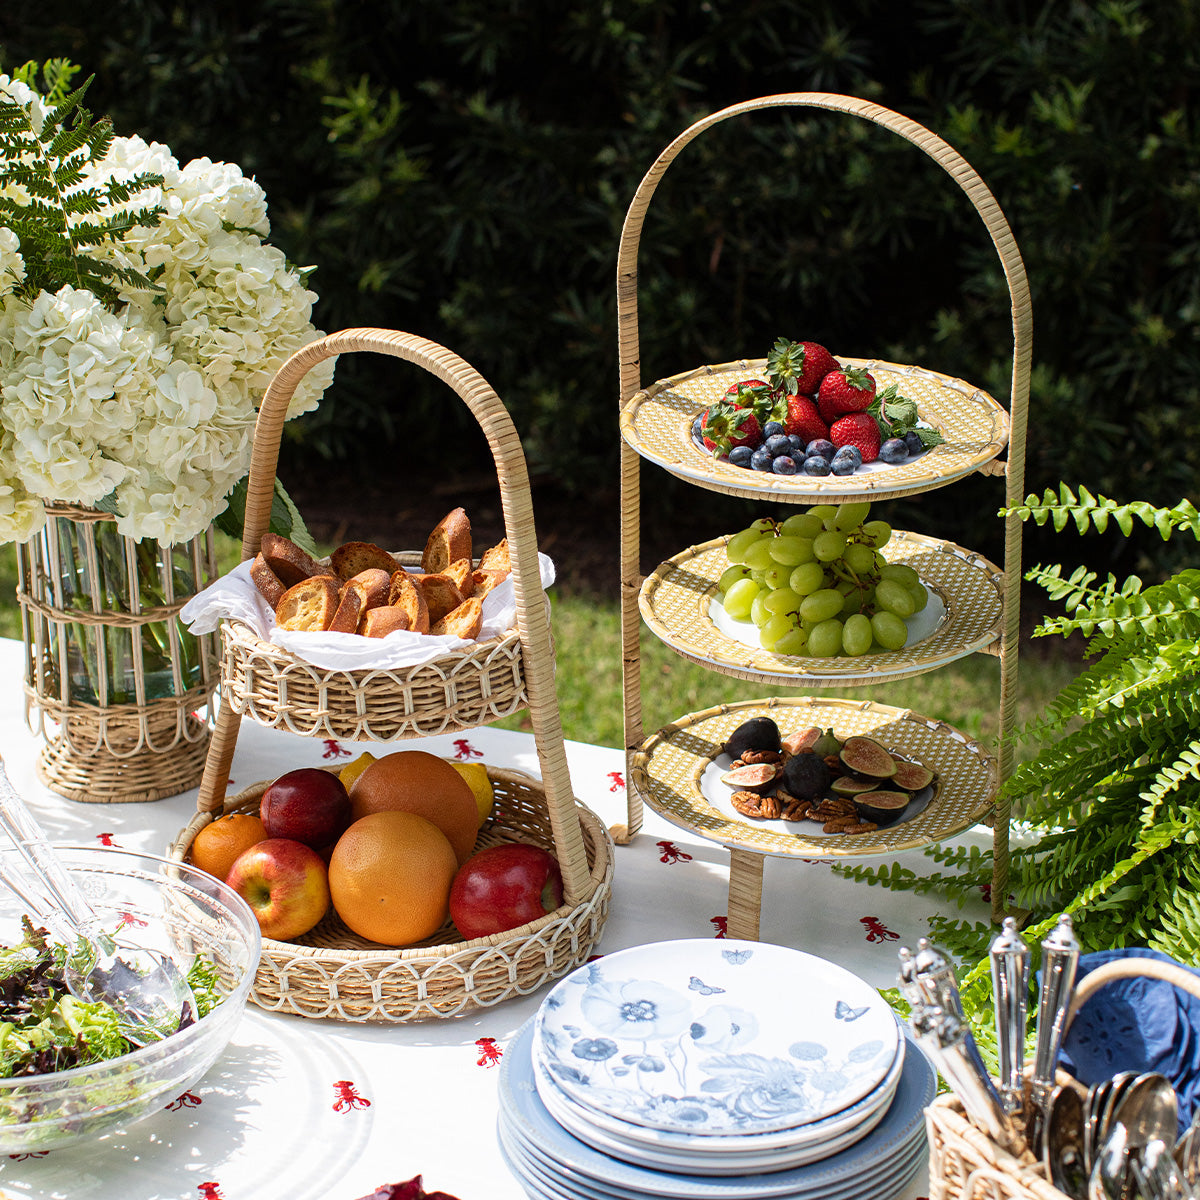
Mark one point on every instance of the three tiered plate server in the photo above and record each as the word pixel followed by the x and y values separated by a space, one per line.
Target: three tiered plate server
pixel 668 769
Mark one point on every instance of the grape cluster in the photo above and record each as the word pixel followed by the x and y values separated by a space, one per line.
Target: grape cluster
pixel 816 583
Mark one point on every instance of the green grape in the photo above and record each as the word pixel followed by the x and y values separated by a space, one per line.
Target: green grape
pixel 894 597
pixel 736 547
pixel 758 557
pixel 877 533
pixel 740 597
pixel 792 551
pixel 859 558
pixel 760 614
pixel 775 577
pixel 920 594
pixel 901 573
pixel 782 601
pixel 804 524
pixel 890 632
pixel 763 525
pixel 807 578
pixel 825 639
pixel 857 635
pixel 822 605
pixel 854 602
pixel 829 545
pixel 829 518
pixel 731 575
pixel 795 641
pixel 770 633
pixel 850 516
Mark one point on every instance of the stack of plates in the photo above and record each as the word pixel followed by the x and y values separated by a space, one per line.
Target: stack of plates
pixel 714 1069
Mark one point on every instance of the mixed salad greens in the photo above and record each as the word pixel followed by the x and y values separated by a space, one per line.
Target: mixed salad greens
pixel 43 1028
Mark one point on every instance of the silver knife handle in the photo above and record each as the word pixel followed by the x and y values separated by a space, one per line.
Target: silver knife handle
pixel 1060 960
pixel 1010 995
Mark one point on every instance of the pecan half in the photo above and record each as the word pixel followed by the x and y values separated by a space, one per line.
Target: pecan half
pixel 862 827
pixel 761 756
pixel 797 810
pixel 749 804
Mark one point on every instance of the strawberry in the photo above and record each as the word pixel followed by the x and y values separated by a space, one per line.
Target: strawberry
pixel 829 412
pixel 858 429
pixel 802 417
pixel 798 367
pixel 725 425
pixel 848 389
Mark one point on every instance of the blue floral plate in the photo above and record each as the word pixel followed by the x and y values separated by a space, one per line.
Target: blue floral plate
pixel 710 1036
pixel 878 1166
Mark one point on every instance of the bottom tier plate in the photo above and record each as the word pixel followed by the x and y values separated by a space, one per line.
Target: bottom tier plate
pixel 676 773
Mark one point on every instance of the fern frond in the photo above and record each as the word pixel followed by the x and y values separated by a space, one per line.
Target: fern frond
pixel 1094 512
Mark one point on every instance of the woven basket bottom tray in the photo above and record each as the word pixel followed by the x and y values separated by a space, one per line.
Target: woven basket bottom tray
pixel 332 973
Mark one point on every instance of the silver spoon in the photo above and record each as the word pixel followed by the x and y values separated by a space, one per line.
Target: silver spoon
pixel 151 998
pixel 1111 1178
pixel 1155 1170
pixel 1063 1150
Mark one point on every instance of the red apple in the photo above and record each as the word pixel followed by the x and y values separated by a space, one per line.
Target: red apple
pixel 503 887
pixel 285 882
pixel 307 805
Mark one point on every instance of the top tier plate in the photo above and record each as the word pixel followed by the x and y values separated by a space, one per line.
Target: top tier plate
pixel 657 423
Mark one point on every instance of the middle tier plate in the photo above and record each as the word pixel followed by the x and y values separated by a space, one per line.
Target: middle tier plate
pixel 678 603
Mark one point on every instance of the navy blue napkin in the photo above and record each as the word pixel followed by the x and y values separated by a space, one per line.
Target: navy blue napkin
pixel 1137 1025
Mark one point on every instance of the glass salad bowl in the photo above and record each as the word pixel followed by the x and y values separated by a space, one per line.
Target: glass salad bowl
pixel 212 936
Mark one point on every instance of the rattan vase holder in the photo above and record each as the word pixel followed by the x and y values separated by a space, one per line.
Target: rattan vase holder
pixel 965 1164
pixel 676 454
pixel 331 973
pixel 115 685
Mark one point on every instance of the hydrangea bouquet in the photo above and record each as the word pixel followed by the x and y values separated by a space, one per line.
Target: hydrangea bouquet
pixel 142 313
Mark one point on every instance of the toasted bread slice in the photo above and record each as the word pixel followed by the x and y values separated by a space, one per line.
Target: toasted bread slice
pixel 288 561
pixel 497 558
pixel 268 583
pixel 441 595
pixel 486 580
pixel 309 605
pixel 461 575
pixel 377 583
pixel 353 557
pixel 449 541
pixel 351 606
pixel 464 622
pixel 379 622
pixel 406 596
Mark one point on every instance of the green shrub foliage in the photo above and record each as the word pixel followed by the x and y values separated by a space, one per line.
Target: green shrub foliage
pixel 461 169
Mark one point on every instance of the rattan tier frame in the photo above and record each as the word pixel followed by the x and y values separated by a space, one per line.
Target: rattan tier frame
pixel 457 691
pixel 675 602
pixel 746 866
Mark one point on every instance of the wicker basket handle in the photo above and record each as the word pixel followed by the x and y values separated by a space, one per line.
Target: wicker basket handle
pixel 532 622
pixel 1130 968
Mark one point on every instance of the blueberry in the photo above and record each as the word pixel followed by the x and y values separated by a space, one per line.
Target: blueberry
pixel 784 464
pixel 797 444
pixel 843 464
pixel 772 427
pixel 893 451
pixel 740 456
pixel 816 464
pixel 912 440
pixel 777 444
pixel 822 446
pixel 760 460
pixel 851 452
pixel 697 426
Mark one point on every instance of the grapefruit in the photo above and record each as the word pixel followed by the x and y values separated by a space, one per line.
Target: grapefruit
pixel 417 782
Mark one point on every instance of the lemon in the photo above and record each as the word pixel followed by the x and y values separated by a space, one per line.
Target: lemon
pixel 352 770
pixel 481 786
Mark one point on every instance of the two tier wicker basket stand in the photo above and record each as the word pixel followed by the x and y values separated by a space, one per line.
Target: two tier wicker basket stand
pixel 672 769
pixel 331 972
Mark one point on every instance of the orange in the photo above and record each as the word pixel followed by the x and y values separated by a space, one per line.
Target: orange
pixel 216 845
pixel 419 782
pixel 390 876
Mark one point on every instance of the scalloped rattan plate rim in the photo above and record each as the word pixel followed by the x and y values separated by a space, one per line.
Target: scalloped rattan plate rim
pixel 703 643
pixel 662 434
pixel 973 799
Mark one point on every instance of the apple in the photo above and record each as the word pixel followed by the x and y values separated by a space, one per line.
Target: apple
pixel 503 887
pixel 285 882
pixel 307 805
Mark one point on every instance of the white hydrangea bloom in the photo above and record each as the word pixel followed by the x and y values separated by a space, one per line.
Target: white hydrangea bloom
pixel 12 265
pixel 21 514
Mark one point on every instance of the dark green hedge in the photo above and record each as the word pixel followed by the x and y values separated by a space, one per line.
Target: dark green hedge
pixel 461 169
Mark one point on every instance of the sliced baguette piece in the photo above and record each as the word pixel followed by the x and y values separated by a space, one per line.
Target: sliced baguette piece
pixel 350 558
pixel 288 561
pixel 269 584
pixel 377 583
pixel 496 558
pixel 406 596
pixel 485 581
pixel 309 605
pixel 351 606
pixel 449 541
pixel 464 622
pixel 441 595
pixel 461 575
pixel 379 622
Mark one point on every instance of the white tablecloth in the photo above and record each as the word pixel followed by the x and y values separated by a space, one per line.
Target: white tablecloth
pixel 322 1110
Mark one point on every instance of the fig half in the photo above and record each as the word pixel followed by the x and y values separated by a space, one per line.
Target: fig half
pixel 865 756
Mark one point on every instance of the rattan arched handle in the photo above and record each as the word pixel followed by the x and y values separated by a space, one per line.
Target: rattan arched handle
pixel 1130 968
pixel 532 622
pixel 631 383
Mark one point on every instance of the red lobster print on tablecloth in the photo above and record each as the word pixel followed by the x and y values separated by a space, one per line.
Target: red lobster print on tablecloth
pixel 722 926
pixel 348 1098
pixel 877 931
pixel 106 839
pixel 463 749
pixel 489 1053
pixel 671 853
pixel 210 1191
pixel 616 781
pixel 334 749
pixel 186 1100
